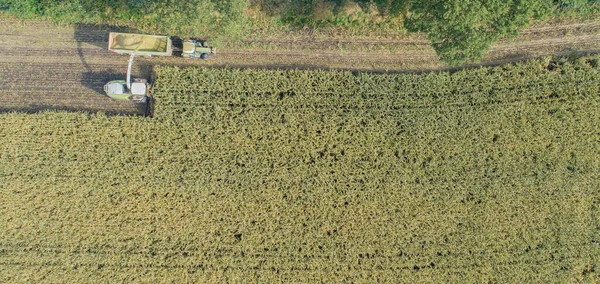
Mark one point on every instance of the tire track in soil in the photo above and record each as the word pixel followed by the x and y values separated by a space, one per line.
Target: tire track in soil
pixel 584 39
pixel 307 41
pixel 562 27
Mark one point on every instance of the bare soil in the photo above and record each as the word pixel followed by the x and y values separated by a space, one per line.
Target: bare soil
pixel 45 66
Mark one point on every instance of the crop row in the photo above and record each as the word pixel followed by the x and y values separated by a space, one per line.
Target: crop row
pixel 525 82
pixel 253 81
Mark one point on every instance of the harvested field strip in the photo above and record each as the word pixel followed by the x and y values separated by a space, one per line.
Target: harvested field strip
pixel 481 175
pixel 56 98
pixel 528 38
pixel 26 86
pixel 54 52
pixel 93 107
pixel 66 71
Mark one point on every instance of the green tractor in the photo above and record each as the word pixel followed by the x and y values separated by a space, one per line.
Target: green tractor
pixel 194 49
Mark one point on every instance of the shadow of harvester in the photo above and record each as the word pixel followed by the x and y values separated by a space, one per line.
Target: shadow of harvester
pixel 97 75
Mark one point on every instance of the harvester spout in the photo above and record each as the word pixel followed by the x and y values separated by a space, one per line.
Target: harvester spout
pixel 129 71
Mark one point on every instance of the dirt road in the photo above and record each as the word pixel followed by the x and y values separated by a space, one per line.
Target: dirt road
pixel 44 66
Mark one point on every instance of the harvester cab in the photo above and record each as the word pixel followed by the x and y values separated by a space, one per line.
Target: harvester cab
pixel 135 91
pixel 193 49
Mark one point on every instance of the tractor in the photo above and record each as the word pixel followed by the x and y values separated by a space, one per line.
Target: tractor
pixel 194 49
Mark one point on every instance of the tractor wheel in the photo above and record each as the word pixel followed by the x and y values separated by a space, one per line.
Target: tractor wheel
pixel 204 56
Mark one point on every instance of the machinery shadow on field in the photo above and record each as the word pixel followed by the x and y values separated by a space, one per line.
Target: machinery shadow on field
pixel 97 35
pixel 95 80
pixel 90 36
pixel 94 35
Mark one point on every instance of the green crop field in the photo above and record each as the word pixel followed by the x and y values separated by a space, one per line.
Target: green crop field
pixel 489 174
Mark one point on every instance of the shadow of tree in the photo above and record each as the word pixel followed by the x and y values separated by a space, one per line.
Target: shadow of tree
pixel 566 55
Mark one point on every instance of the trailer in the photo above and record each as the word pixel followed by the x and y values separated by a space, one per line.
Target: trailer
pixel 140 44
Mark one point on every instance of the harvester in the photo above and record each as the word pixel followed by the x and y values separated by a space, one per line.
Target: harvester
pixel 136 91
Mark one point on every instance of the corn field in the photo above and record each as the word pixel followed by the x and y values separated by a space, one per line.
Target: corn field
pixel 482 175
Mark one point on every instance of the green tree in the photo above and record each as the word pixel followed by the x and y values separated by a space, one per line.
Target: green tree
pixel 462 30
